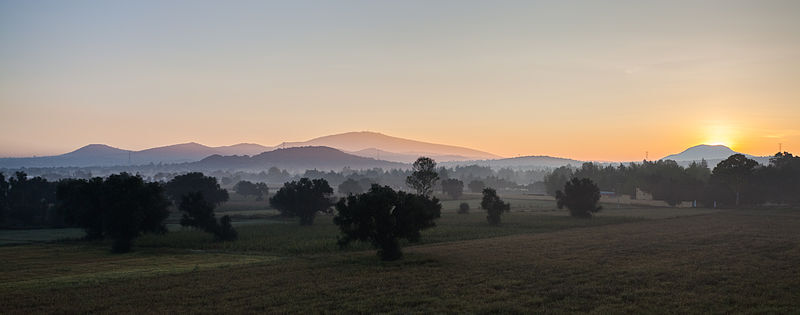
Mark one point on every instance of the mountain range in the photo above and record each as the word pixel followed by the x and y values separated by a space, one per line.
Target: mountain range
pixel 380 146
pixel 296 158
pixel 357 150
pixel 372 145
pixel 105 155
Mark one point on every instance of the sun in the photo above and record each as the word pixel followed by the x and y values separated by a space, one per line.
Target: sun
pixel 719 135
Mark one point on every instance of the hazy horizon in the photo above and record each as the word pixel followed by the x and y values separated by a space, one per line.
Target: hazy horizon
pixel 583 80
pixel 278 145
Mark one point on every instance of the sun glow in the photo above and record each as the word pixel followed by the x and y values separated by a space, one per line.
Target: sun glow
pixel 719 135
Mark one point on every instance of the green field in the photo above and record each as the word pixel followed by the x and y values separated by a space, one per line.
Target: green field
pixel 633 260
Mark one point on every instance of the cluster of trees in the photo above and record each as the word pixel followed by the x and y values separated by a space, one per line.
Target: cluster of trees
pixel 736 180
pixel 303 199
pixel 123 206
pixel 453 187
pixel 28 201
pixel 196 196
pixel 247 188
pixel 120 207
pixel 665 180
pixel 381 216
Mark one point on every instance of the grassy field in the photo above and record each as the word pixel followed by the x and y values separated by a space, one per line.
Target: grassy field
pixel 633 260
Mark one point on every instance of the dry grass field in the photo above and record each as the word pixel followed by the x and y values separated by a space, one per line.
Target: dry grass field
pixel 704 262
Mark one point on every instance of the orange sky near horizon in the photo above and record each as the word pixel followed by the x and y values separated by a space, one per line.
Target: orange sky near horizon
pixel 585 80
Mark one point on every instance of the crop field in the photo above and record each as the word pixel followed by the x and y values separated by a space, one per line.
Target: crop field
pixel 633 260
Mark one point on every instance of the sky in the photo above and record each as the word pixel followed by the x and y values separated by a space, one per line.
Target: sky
pixel 591 80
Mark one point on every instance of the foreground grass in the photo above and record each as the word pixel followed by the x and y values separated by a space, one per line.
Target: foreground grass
pixel 50 266
pixel 731 261
pixel 287 238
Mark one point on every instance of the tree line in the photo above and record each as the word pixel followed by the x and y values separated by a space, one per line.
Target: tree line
pixel 734 181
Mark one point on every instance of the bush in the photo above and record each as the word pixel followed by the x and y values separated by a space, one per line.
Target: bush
pixel 225 231
pixel 493 205
pixel 453 187
pixel 199 213
pixel 463 208
pixel 580 196
pixel 193 182
pixel 303 199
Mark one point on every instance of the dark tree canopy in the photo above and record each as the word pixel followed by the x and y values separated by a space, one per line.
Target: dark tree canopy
pixel 350 187
pixel 132 207
pixel 423 176
pixel 3 197
pixel 383 216
pixel 783 178
pixel 493 205
pixel 557 179
pixel 303 199
pixel 196 182
pixel 82 202
pixel 199 213
pixel 247 188
pixel 463 208
pixel 120 207
pixel 453 187
pixel 580 196
pixel 476 186
pixel 736 172
pixel 28 200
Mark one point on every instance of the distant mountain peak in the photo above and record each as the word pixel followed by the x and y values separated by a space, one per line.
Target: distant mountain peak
pixel 360 141
pixel 96 148
pixel 702 151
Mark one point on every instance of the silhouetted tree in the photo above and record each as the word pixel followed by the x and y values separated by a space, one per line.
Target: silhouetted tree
pixel 303 198
pixel 557 179
pixel 263 189
pixel 476 186
pixel 493 205
pixel 225 230
pixel 783 178
pixel 29 199
pixel 196 182
pixel 736 172
pixel 247 188
pixel 3 197
pixel 199 213
pixel 423 176
pixel 382 216
pixel 453 187
pixel 580 196
pixel 120 207
pixel 350 187
pixel 132 207
pixel 82 203
pixel 463 208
